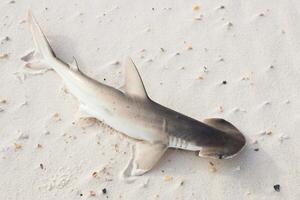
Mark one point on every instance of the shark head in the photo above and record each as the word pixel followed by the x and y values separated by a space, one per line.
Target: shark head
pixel 227 141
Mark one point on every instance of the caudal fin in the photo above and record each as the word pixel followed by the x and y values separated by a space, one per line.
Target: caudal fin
pixel 43 53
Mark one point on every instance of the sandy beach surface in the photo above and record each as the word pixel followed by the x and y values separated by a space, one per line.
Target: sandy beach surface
pixel 238 60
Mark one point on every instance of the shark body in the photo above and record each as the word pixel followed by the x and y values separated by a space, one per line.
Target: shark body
pixel 133 113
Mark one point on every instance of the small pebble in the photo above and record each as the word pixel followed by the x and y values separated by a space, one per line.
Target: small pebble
pixel 221 60
pixel 3 101
pixel 200 77
pixel 224 82
pixel 56 116
pixel 181 183
pixel 116 62
pixel 196 7
pixel 261 14
pixel 198 18
pixel 246 78
pixel 4 55
pixel 94 174
pixel 92 193
pixel 104 191
pixel 168 178
pixel 17 146
pixel 229 25
pixel 269 132
pixel 220 109
pixel 189 47
pixel 5 39
pixel 205 69
pixel 41 166
pixel 277 187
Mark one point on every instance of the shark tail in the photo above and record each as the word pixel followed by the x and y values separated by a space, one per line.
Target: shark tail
pixel 43 56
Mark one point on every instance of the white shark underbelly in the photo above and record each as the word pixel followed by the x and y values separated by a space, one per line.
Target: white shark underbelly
pixel 126 125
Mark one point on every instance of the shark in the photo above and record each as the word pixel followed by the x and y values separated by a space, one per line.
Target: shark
pixel 154 127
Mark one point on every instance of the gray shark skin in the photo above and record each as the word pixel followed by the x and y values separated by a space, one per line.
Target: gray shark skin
pixel 153 126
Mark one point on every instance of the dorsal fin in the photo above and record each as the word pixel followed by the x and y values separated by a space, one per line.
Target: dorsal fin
pixel 222 125
pixel 133 82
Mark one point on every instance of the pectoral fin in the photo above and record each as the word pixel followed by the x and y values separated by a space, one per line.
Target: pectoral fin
pixel 144 157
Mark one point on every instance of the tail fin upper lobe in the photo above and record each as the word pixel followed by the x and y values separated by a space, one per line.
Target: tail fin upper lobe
pixel 43 56
pixel 42 47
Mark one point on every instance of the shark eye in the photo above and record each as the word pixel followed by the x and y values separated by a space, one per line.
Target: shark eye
pixel 220 156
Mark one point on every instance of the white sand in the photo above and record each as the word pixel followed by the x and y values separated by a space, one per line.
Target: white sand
pixel 238 44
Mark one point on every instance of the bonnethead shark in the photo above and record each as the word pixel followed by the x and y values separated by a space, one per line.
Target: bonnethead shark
pixel 154 127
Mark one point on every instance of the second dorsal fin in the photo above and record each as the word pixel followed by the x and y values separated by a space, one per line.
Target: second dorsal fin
pixel 74 65
pixel 133 82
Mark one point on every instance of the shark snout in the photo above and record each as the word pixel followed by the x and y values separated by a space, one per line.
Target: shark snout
pixel 233 145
